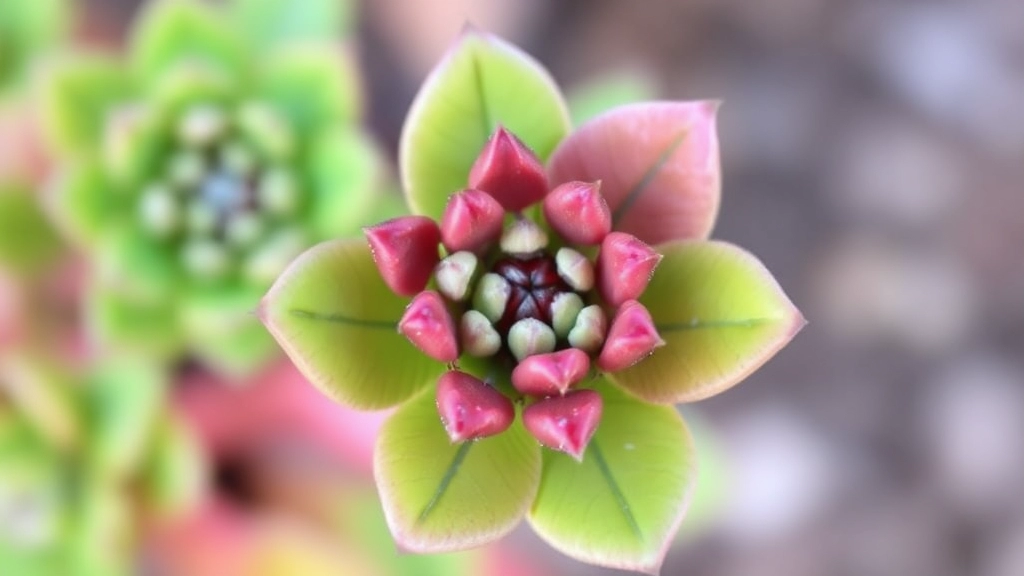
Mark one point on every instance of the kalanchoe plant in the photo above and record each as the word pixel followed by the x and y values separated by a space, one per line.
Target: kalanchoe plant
pixel 535 325
pixel 195 171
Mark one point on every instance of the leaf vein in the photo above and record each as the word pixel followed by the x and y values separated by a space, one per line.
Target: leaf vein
pixel 696 324
pixel 343 319
pixel 648 177
pixel 620 498
pixel 446 481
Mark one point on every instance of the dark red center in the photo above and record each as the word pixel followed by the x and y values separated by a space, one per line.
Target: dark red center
pixel 535 283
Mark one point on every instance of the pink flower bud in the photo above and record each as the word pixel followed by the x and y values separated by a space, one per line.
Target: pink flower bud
pixel 565 423
pixel 552 373
pixel 471 409
pixel 631 338
pixel 578 213
pixel 472 221
pixel 429 326
pixel 507 170
pixel 405 251
pixel 624 267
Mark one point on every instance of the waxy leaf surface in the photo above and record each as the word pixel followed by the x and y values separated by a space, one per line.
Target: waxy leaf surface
pixel 442 497
pixel 620 506
pixel 722 315
pixel 658 166
pixel 482 83
pixel 337 321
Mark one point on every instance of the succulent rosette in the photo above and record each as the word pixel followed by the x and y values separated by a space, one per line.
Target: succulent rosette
pixel 88 458
pixel 196 169
pixel 535 318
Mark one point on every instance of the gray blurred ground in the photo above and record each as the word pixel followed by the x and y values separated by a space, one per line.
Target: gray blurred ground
pixel 873 157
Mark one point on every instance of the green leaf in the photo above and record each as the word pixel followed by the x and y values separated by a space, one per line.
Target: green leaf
pixel 621 505
pixel 442 497
pixel 483 82
pixel 78 95
pixel 268 24
pixel 26 30
pixel 130 324
pixel 174 472
pixel 123 400
pixel 338 322
pixel 222 330
pixel 365 527
pixel 28 244
pixel 170 32
pixel 100 534
pixel 84 202
pixel 314 85
pixel 45 398
pixel 343 169
pixel 658 165
pixel 191 82
pixel 136 266
pixel 722 316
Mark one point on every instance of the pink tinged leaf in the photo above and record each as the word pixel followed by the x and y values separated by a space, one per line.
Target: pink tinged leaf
pixel 578 213
pixel 552 373
pixel 509 171
pixel 405 251
pixel 631 338
pixel 472 221
pixel 429 326
pixel 471 409
pixel 658 164
pixel 624 267
pixel 565 423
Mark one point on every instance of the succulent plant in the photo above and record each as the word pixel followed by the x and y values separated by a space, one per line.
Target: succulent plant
pixel 86 458
pixel 196 169
pixel 557 312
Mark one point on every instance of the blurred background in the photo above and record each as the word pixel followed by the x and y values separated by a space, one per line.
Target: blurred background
pixel 873 158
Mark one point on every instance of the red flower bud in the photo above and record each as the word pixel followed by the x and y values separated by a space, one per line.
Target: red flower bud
pixel 552 373
pixel 624 267
pixel 578 213
pixel 631 338
pixel 565 423
pixel 429 326
pixel 507 170
pixel 472 221
pixel 405 251
pixel 471 409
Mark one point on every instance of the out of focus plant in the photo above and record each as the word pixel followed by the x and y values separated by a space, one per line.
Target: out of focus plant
pixel 292 490
pixel 86 458
pixel 27 28
pixel 193 170
pixel 559 311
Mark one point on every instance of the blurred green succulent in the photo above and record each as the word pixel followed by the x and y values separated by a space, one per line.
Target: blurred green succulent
pixel 84 459
pixel 27 28
pixel 195 171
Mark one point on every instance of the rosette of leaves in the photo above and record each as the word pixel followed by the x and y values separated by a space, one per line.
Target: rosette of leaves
pixel 193 170
pixel 86 458
pixel 568 420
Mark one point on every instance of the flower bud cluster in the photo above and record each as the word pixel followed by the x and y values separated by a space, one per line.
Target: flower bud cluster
pixel 522 294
